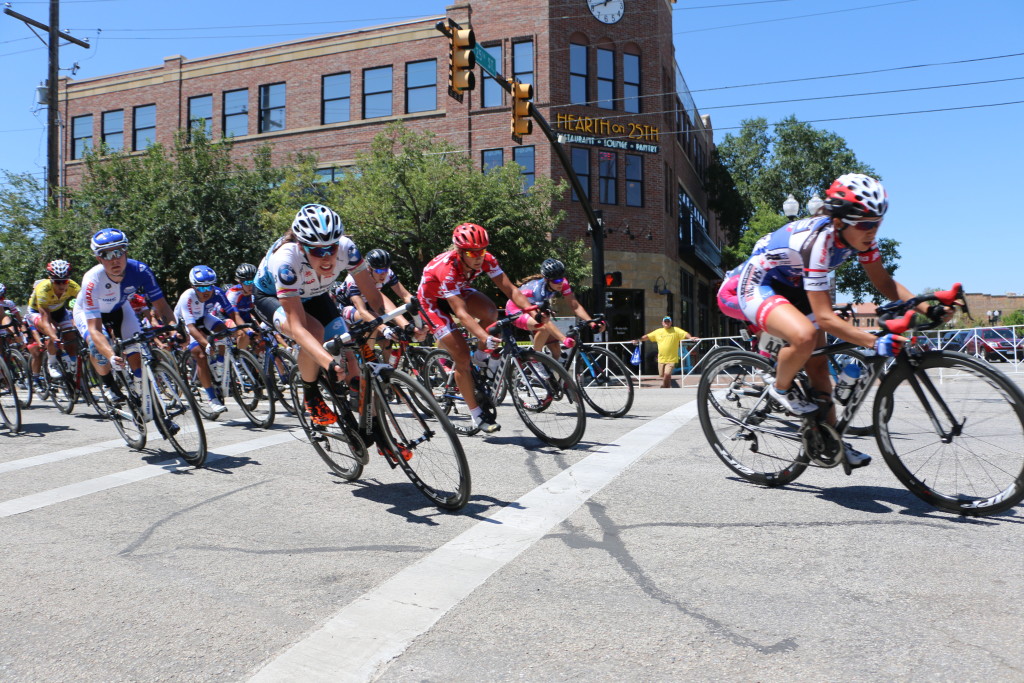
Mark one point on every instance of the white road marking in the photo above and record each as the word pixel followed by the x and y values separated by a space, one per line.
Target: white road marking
pixel 84 488
pixel 377 627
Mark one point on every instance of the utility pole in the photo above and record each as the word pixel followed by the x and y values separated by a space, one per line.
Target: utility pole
pixel 52 113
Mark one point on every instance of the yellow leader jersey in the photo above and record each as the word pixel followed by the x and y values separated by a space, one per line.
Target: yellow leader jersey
pixel 43 295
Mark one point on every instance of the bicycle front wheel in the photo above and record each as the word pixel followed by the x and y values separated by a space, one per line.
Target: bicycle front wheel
pixel 10 407
pixel 127 415
pixel 439 375
pixel 744 429
pixel 21 375
pixel 546 398
pixel 177 415
pixel 423 442
pixel 339 445
pixel 604 380
pixel 952 431
pixel 249 389
pixel 63 392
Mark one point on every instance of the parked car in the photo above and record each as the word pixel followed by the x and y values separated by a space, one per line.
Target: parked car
pixel 992 343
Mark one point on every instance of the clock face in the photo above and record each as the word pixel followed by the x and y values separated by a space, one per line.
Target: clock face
pixel 607 11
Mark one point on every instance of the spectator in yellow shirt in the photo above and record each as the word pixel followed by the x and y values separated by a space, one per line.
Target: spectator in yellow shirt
pixel 668 338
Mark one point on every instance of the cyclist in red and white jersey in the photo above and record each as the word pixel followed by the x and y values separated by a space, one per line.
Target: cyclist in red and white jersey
pixel 445 292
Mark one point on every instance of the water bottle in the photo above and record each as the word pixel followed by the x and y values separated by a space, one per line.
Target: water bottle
pixel 480 359
pixel 845 383
pixel 217 368
pixel 493 363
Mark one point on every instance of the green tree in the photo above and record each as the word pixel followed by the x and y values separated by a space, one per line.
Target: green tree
pixel 22 204
pixel 1013 318
pixel 411 189
pixel 765 164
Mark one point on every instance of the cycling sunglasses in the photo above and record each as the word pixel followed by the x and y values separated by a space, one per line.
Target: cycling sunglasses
pixel 865 225
pixel 62 281
pixel 247 282
pixel 556 280
pixel 321 252
pixel 381 270
pixel 474 253
pixel 112 255
pixel 203 288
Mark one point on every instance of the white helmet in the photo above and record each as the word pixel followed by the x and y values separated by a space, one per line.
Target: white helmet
pixel 316 225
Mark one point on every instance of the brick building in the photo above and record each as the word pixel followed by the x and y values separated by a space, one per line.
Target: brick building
pixel 606 80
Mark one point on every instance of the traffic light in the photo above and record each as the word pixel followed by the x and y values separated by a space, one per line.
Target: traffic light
pixel 461 60
pixel 522 93
pixel 613 279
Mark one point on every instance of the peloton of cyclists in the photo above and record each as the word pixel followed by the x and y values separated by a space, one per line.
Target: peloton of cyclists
pixel 445 292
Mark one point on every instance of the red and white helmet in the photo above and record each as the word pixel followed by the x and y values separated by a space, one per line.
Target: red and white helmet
pixel 58 269
pixel 470 236
pixel 855 197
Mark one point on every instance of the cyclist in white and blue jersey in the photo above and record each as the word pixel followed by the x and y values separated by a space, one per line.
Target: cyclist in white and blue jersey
pixel 104 300
pixel 292 293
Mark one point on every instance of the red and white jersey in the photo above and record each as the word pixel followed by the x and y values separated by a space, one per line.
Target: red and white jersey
pixel 444 278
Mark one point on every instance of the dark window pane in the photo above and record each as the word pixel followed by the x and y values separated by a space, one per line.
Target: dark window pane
pixel 377 99
pixel 522 62
pixel 421 86
pixel 524 156
pixel 144 124
pixel 336 111
pixel 337 91
pixel 492 158
pixel 634 180
pixel 605 79
pixel 377 80
pixel 377 105
pixel 419 74
pixel 272 107
pixel 607 176
pixel 200 113
pixel 581 165
pixel 631 83
pixel 113 130
pixel 577 73
pixel 493 94
pixel 605 64
pixel 81 136
pixel 236 113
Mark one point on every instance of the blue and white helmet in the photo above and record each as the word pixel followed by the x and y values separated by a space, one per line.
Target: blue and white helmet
pixel 107 238
pixel 203 276
pixel 316 225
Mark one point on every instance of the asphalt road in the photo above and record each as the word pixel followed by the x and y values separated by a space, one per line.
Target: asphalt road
pixel 636 556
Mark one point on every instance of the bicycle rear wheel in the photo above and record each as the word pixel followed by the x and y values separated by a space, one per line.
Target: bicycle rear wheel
pixel 744 429
pixel 278 378
pixel 546 398
pixel 63 392
pixel 21 375
pixel 177 416
pixel 952 431
pixel 127 415
pixel 90 385
pixel 249 389
pixel 439 375
pixel 604 380
pixel 10 407
pixel 339 445
pixel 423 442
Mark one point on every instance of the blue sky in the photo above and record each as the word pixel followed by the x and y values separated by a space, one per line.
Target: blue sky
pixel 953 176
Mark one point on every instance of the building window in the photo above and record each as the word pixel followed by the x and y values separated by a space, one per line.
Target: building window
pixel 522 61
pixel 272 99
pixel 491 158
pixel 144 127
pixel 81 136
pixel 236 113
pixel 581 166
pixel 577 73
pixel 377 92
pixel 493 93
pixel 113 130
pixel 200 114
pixel 524 156
pixel 607 163
pixel 331 174
pixel 634 180
pixel 421 86
pixel 631 83
pixel 336 99
pixel 605 79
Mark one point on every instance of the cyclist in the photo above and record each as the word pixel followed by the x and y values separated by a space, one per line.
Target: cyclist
pixel 352 304
pixel 292 293
pixel 8 309
pixel 445 292
pixel 541 288
pixel 195 312
pixel 784 287
pixel 103 300
pixel 48 311
pixel 239 295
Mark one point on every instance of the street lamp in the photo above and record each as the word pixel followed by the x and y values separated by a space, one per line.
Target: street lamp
pixel 993 316
pixel 813 204
pixel 791 207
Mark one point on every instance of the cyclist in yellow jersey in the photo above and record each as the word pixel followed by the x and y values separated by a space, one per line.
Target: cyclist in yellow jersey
pixel 48 311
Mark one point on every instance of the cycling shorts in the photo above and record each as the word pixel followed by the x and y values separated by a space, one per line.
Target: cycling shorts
pixel 747 295
pixel 268 310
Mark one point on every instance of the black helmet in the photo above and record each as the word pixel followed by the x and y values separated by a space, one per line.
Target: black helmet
pixel 246 271
pixel 552 268
pixel 378 258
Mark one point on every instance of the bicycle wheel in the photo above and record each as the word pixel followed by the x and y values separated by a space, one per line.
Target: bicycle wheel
pixel 338 445
pixel 10 407
pixel 278 377
pixel 604 380
pixel 21 375
pixel 439 374
pixel 742 427
pixel 546 398
pixel 63 392
pixel 127 415
pixel 249 389
pixel 423 442
pixel 177 416
pixel 952 431
pixel 91 387
pixel 861 425
pixel 190 373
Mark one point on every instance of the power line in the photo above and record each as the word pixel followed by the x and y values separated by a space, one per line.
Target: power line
pixel 801 16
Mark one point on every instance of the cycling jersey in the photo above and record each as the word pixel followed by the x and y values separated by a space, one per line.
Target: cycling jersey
pixel 444 278
pixel 43 296
pixel 191 311
pixel 6 305
pixel 241 301
pixel 794 259
pixel 538 292
pixel 348 289
pixel 286 272
pixel 100 294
